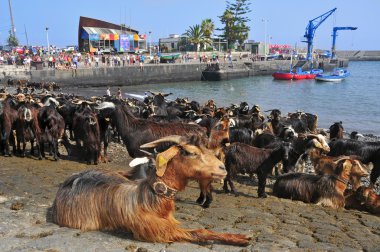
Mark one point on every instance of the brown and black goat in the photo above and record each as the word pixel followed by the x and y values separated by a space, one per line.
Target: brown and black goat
pixel 8 119
pixel 136 132
pixel 218 138
pixel 27 128
pixel 336 131
pixel 326 165
pixel 369 199
pixel 107 200
pixel 366 151
pixel 325 190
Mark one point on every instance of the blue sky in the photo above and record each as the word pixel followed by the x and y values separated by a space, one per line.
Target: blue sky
pixel 286 24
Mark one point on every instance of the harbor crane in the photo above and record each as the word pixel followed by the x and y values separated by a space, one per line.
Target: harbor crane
pixel 310 31
pixel 334 34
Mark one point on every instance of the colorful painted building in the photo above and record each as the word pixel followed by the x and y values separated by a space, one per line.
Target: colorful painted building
pixel 99 36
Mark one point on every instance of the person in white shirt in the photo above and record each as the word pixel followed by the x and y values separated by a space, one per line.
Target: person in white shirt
pixel 96 61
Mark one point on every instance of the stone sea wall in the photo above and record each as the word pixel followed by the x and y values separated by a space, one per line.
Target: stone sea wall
pixel 131 75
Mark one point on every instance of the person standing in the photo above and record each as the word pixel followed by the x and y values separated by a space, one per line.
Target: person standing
pixel 142 58
pixel 103 59
pixel 124 59
pixel 108 92
pixel 75 60
pixel 118 94
pixel 128 59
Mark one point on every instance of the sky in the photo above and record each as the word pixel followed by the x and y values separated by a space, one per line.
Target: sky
pixel 285 21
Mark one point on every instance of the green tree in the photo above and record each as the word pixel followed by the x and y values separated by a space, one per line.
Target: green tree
pixel 12 40
pixel 234 20
pixel 208 27
pixel 196 36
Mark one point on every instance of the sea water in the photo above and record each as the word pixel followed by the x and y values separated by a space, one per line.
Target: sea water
pixel 354 101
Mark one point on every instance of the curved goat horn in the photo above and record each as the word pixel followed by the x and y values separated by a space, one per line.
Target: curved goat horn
pixel 341 158
pixel 173 138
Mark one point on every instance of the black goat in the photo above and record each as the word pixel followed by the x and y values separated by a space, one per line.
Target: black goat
pixel 52 127
pixel 241 135
pixel 86 129
pixel 242 158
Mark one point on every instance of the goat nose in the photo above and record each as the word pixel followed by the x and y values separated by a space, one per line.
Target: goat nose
pixel 222 167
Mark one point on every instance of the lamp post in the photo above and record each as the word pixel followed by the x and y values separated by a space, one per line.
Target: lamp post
pixel 150 43
pixel 47 38
pixel 269 44
pixel 265 37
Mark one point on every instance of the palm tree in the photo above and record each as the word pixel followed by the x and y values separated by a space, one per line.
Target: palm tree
pixel 196 36
pixel 208 27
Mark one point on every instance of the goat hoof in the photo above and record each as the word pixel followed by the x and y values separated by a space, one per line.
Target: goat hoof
pixel 263 195
pixel 200 201
pixel 206 205
pixel 236 194
pixel 40 158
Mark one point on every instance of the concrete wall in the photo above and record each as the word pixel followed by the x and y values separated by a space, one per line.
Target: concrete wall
pixel 359 55
pixel 121 75
pixel 11 72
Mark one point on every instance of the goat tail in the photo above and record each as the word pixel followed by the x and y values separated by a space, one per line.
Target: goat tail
pixel 202 235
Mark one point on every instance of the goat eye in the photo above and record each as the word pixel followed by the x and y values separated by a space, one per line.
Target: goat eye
pixel 186 153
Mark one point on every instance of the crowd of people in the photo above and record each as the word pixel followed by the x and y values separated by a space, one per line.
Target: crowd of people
pixel 61 60
pixel 68 60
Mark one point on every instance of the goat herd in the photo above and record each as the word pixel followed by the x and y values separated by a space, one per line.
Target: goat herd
pixel 177 141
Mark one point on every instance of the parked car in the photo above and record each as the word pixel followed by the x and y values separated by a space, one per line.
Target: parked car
pixel 6 48
pixel 69 49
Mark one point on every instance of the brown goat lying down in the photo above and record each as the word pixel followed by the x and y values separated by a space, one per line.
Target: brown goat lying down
pixel 364 198
pixel 326 165
pixel 325 190
pixel 107 200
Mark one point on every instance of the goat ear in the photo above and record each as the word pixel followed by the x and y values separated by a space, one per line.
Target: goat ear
pixel 163 159
pixel 347 165
pixel 343 165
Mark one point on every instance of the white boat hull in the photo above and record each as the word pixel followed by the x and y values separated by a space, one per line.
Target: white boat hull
pixel 329 79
